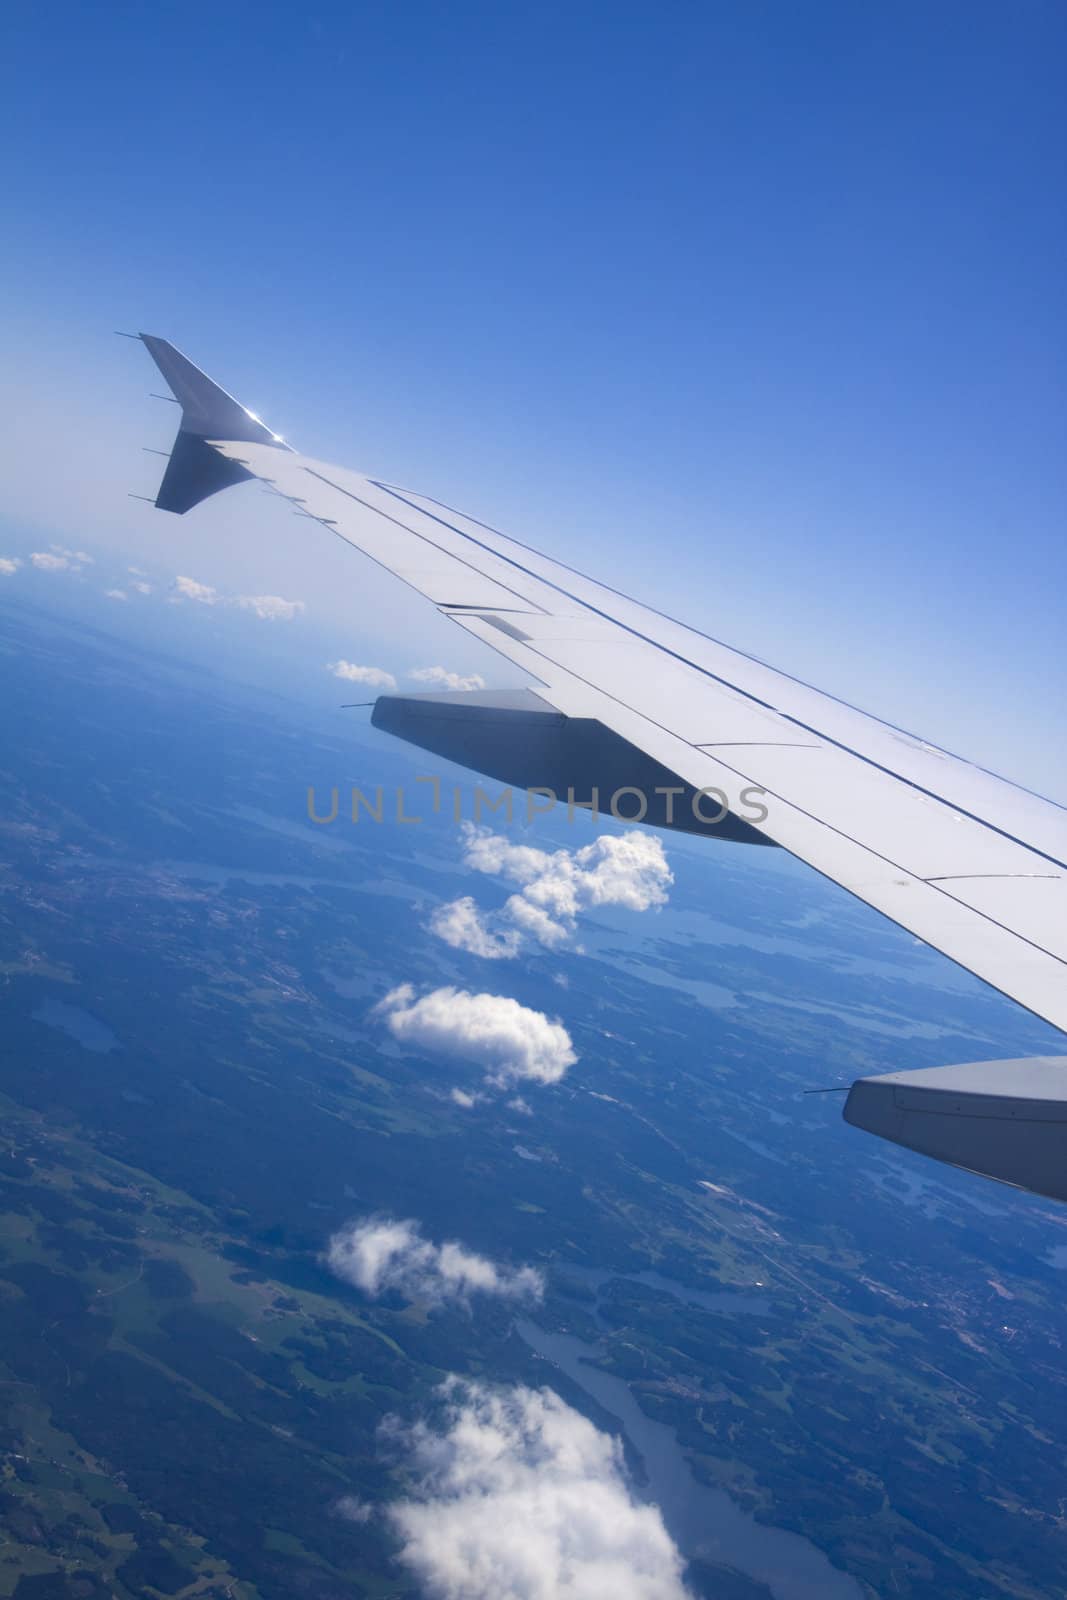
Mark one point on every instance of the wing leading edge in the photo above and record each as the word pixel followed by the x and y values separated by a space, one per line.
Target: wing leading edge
pixel 971 864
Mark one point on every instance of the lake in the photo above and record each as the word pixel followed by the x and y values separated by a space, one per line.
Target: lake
pixel 703 1521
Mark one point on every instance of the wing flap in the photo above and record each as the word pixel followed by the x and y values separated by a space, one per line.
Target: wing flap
pixel 698 710
pixel 861 802
pixel 1038 904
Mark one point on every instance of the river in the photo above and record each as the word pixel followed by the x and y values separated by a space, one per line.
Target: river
pixel 703 1521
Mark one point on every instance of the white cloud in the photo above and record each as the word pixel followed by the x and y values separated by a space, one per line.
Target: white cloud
pixel 45 561
pixel 511 1041
pixel 140 585
pixel 537 922
pixel 373 677
pixel 445 679
pixel 116 594
pixel 189 589
pixel 78 558
pixel 495 854
pixel 138 572
pixel 383 1253
pixel 460 924
pixel 627 870
pixel 271 607
pixel 517 1496
pixel 9 565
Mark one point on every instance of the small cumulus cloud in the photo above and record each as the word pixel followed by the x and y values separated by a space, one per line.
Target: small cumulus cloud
pixel 516 1493
pixel 140 586
pixel 116 594
pixel 190 589
pixel 9 565
pixel 512 1042
pixel 537 922
pixel 461 924
pixel 372 677
pixel 628 870
pixel 57 558
pixel 385 1253
pixel 443 679
pixel 271 607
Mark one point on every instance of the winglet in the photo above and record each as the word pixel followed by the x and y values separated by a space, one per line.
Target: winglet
pixel 195 470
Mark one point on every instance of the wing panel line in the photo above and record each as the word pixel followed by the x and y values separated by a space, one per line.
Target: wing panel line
pixel 821 821
pixel 742 655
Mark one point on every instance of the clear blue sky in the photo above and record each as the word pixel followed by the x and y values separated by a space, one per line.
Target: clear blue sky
pixel 756 308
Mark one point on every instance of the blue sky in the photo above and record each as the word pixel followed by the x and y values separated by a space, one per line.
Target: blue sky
pixel 755 309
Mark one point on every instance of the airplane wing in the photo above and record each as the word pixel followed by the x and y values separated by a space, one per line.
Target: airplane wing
pixel 971 864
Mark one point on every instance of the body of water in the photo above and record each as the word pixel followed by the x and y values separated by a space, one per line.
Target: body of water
pixel 703 1521
pixel 78 1024
pixel 710 1299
